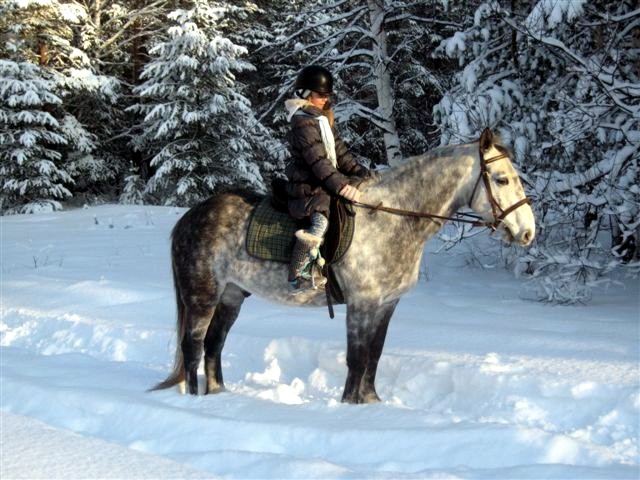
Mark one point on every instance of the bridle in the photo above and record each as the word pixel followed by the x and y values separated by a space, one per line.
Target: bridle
pixel 498 213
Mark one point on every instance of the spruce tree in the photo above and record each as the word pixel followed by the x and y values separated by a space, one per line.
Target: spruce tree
pixel 49 35
pixel 32 169
pixel 198 129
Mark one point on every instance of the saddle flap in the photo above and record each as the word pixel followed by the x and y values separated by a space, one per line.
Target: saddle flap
pixel 340 233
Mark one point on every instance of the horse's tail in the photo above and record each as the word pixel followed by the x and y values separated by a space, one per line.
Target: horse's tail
pixel 177 375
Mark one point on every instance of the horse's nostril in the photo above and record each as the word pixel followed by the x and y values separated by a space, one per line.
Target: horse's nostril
pixel 527 236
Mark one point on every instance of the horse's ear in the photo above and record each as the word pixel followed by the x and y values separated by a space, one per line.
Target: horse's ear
pixel 486 139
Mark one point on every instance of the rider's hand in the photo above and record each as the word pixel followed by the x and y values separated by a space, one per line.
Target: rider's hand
pixel 350 193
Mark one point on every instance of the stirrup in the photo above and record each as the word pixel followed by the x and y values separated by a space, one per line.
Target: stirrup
pixel 301 285
pixel 306 259
pixel 308 281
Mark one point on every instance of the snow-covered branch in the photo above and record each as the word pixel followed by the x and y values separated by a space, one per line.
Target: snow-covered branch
pixel 322 23
pixel 596 70
pixel 559 183
pixel 402 16
pixel 146 10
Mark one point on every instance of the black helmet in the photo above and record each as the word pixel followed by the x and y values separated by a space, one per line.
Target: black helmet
pixel 315 78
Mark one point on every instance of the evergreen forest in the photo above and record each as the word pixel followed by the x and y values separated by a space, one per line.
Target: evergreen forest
pixel 167 102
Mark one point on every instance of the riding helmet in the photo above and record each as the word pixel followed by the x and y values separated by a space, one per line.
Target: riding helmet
pixel 315 78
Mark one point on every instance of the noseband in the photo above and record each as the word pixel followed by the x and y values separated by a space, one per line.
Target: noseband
pixel 498 213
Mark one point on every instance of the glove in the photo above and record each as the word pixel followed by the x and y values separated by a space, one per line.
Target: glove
pixel 351 193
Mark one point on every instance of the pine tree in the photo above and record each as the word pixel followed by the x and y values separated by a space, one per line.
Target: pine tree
pixel 50 34
pixel 117 37
pixel 46 33
pixel 32 170
pixel 251 26
pixel 200 132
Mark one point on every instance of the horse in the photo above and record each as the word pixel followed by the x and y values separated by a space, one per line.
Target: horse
pixel 213 274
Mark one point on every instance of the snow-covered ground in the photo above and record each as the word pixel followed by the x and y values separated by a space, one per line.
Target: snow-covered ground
pixel 475 382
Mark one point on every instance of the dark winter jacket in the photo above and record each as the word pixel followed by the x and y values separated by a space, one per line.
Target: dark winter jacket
pixel 312 177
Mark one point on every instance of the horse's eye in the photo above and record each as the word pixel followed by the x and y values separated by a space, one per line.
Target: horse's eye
pixel 502 181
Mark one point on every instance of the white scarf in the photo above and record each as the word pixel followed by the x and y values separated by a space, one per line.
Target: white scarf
pixel 328 140
pixel 294 105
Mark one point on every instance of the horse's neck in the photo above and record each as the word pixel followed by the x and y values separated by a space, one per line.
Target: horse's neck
pixel 438 182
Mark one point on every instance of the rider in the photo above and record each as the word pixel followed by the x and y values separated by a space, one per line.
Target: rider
pixel 319 166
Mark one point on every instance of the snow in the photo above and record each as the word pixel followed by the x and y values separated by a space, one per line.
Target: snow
pixel 453 44
pixel 475 382
pixel 550 13
pixel 26 441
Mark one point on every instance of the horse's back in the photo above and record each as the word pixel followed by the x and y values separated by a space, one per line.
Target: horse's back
pixel 213 217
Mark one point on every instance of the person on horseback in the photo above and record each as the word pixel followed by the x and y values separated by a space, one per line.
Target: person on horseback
pixel 320 166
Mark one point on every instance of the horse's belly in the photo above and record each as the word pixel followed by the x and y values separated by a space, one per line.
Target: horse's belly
pixel 268 280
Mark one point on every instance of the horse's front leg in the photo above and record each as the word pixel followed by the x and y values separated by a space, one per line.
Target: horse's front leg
pixel 366 331
pixel 367 385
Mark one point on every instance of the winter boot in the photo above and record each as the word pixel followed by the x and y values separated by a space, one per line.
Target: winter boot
pixel 306 262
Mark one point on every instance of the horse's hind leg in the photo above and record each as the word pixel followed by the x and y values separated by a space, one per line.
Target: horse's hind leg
pixel 198 320
pixel 224 317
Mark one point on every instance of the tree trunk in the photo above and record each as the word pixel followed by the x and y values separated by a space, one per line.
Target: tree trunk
pixel 136 63
pixel 514 37
pixel 97 14
pixel 384 88
pixel 43 53
pixel 635 41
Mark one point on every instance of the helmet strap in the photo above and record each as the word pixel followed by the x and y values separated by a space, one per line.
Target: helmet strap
pixel 303 93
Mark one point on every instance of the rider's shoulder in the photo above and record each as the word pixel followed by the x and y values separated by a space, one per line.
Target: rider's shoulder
pixel 304 119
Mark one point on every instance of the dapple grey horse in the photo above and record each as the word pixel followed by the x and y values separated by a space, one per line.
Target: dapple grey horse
pixel 213 274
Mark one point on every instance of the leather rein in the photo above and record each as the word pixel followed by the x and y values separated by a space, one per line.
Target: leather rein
pixel 497 211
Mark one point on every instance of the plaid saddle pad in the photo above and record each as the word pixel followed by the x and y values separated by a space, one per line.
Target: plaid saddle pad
pixel 271 234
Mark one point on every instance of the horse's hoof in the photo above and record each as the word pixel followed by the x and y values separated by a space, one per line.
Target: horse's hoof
pixel 371 398
pixel 351 398
pixel 214 390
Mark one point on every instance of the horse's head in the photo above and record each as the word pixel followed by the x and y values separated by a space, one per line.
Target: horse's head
pixel 498 195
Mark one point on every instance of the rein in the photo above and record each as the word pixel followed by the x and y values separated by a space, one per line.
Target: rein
pixel 497 211
pixel 408 213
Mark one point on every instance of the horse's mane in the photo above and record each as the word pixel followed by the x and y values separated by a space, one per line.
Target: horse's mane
pixel 408 164
pixel 431 155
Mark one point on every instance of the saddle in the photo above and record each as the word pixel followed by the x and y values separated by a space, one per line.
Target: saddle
pixel 271 232
pixel 271 235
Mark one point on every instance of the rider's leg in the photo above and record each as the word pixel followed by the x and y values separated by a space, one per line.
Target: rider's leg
pixel 315 233
pixel 303 252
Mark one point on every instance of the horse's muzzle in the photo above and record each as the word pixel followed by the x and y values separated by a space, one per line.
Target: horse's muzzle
pixel 522 238
pixel 526 237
